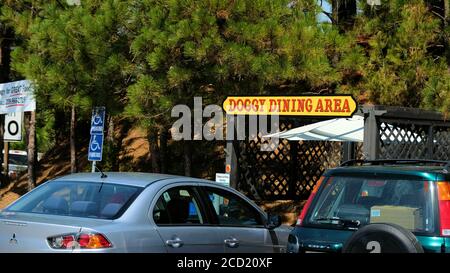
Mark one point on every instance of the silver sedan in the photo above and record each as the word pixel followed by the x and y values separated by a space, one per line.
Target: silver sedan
pixel 137 212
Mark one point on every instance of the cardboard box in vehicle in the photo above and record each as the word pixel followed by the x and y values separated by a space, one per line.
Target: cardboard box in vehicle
pixel 407 217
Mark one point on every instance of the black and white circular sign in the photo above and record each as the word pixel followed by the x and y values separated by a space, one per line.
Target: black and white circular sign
pixel 13 127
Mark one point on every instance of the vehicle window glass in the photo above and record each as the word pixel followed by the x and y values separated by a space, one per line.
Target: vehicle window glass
pixel 18 159
pixel 403 202
pixel 231 210
pixel 80 199
pixel 177 206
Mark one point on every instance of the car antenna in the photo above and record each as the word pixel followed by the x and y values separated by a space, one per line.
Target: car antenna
pixel 103 174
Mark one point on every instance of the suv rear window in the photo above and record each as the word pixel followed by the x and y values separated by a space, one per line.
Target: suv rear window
pixel 78 199
pixel 352 199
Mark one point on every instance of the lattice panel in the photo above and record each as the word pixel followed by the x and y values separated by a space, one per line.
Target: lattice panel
pixel 403 140
pixel 293 168
pixel 262 173
pixel 288 172
pixel 441 143
pixel 313 158
pixel 359 152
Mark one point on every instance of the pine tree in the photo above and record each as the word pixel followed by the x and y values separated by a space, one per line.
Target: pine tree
pixel 76 55
pixel 214 48
pixel 403 62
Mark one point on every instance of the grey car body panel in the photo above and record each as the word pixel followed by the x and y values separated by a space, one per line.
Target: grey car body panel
pixel 135 230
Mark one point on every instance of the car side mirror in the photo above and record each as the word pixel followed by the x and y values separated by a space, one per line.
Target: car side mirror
pixel 273 221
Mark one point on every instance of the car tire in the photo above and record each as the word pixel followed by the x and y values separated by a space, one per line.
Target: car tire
pixel 382 238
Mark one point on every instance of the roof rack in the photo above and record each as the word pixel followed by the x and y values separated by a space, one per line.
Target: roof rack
pixel 445 164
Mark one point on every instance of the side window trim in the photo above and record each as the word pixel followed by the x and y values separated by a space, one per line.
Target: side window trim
pixel 193 189
pixel 211 208
pixel 214 220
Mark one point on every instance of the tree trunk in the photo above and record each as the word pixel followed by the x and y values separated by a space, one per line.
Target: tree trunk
pixel 6 38
pixel 187 158
pixel 31 149
pixel 111 142
pixel 110 134
pixel 163 150
pixel 446 11
pixel 60 127
pixel 73 148
pixel 343 12
pixel 154 150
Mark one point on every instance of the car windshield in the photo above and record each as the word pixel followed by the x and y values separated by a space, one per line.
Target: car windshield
pixel 359 201
pixel 78 199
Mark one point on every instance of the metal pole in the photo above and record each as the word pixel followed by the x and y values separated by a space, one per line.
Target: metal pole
pixel 231 161
pixel 6 158
pixel 93 166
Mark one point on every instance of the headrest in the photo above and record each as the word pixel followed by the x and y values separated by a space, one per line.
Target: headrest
pixel 110 210
pixel 83 208
pixel 56 204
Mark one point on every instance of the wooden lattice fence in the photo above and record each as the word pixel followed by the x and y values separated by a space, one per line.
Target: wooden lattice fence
pixel 290 171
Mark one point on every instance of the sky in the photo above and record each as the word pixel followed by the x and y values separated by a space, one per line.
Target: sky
pixel 326 7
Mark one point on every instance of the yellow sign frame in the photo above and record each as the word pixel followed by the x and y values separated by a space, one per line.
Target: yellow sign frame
pixel 333 105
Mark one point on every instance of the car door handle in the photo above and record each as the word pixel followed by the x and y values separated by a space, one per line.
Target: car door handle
pixel 175 242
pixel 231 242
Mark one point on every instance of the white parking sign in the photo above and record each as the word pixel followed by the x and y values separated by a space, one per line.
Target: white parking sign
pixel 13 127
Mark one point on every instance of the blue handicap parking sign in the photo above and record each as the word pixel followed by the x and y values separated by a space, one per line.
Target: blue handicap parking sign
pixel 96 142
pixel 95 148
pixel 98 120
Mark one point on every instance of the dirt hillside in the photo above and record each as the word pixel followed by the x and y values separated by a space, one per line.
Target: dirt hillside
pixel 57 162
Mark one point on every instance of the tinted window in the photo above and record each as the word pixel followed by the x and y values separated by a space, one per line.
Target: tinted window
pixel 231 210
pixel 177 206
pixel 403 202
pixel 80 199
pixel 18 159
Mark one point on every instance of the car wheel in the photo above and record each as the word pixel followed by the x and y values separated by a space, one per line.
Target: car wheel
pixel 382 238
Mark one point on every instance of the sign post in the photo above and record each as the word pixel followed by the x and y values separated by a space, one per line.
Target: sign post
pixel 15 99
pixel 96 141
pixel 11 132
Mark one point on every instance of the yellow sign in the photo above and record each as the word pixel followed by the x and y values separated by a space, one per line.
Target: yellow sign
pixel 338 106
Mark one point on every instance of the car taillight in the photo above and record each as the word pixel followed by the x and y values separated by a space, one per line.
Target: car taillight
pixel 308 203
pixel 83 240
pixel 444 207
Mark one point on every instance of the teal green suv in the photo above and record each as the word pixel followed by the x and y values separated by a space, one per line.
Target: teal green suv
pixel 379 206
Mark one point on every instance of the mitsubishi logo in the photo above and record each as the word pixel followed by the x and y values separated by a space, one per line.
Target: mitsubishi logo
pixel 13 240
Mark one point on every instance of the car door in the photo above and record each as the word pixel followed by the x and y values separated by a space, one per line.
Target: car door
pixel 181 221
pixel 240 224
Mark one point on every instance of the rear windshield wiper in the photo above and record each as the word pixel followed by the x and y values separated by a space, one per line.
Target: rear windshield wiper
pixel 339 221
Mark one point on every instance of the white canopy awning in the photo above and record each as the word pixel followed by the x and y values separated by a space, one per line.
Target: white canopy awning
pixel 338 129
pixel 344 129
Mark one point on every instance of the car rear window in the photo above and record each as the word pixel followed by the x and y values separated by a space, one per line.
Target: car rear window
pixel 78 199
pixel 407 203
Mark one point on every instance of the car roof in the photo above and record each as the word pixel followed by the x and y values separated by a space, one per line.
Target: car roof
pixel 419 171
pixel 124 178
